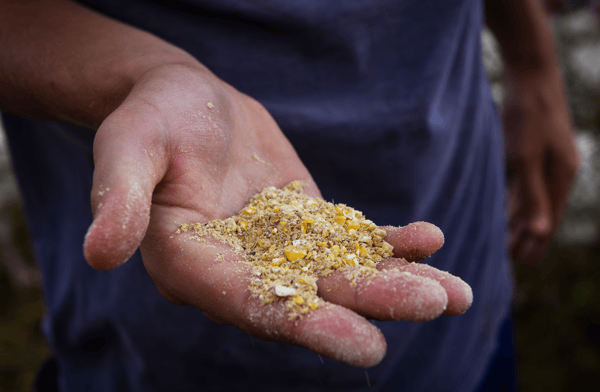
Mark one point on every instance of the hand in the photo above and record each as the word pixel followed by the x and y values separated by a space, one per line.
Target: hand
pixel 185 147
pixel 541 145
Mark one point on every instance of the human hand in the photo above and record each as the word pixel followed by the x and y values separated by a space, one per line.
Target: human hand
pixel 541 146
pixel 166 157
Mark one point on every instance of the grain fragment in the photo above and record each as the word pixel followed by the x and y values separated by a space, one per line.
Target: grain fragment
pixel 290 240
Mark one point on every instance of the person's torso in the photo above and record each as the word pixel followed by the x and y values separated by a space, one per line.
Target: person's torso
pixel 386 103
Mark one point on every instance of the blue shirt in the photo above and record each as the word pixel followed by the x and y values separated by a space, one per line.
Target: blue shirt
pixel 386 103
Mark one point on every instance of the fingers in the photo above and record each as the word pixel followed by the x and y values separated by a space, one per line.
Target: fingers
pixel 390 295
pixel 538 200
pixel 204 274
pixel 460 295
pixel 532 219
pixel 124 179
pixel 561 176
pixel 415 241
pixel 332 331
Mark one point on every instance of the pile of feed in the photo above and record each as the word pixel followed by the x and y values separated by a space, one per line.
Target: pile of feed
pixel 290 239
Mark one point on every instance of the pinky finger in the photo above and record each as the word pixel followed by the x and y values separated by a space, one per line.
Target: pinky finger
pixel 460 295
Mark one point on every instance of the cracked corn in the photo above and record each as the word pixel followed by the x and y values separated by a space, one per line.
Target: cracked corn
pixel 290 239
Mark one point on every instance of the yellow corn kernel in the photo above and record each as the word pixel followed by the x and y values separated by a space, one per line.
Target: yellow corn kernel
pixel 362 251
pixel 305 224
pixel 339 220
pixel 387 247
pixel 313 306
pixel 321 244
pixel 299 300
pixel 277 262
pixel 352 226
pixel 249 211
pixel 276 209
pixel 335 249
pixel 264 243
pixel 283 223
pixel 294 254
pixel 243 224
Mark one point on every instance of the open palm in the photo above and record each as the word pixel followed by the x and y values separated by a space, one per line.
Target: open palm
pixel 186 147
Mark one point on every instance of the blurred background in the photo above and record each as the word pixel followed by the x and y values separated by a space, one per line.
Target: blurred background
pixel 557 303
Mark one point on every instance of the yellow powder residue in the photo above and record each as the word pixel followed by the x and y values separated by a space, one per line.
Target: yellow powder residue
pixel 290 239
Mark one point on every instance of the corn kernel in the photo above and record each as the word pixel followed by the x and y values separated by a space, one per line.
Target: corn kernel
pixel 243 224
pixel 299 300
pixel 264 243
pixel 305 224
pixel 294 254
pixel 339 220
pixel 387 247
pixel 352 226
pixel 283 291
pixel 276 209
pixel 249 211
pixel 277 262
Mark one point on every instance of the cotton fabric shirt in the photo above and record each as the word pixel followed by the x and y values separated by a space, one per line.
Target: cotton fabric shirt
pixel 386 103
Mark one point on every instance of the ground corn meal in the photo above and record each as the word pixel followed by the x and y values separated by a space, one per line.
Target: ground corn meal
pixel 290 239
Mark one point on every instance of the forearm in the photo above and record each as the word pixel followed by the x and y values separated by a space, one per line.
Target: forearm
pixel 61 61
pixel 523 33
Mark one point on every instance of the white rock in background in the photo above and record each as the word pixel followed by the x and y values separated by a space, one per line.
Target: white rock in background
pixel 577 24
pixel 584 62
pixel 586 190
pixel 497 90
pixel 581 224
pixel 492 57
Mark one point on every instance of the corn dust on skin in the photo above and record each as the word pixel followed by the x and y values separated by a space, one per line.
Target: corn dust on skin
pixel 291 239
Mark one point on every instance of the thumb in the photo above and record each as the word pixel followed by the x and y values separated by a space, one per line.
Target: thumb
pixel 124 180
